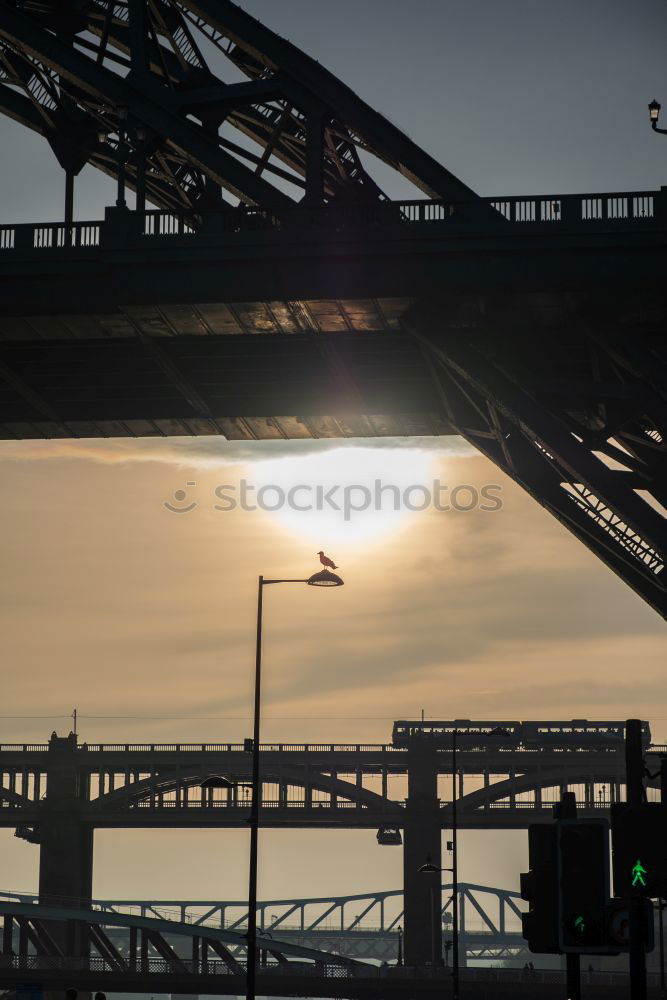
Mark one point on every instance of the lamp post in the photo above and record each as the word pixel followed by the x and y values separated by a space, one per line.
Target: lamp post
pixel 399 957
pixel 321 579
pixel 430 869
pixel 455 877
pixel 654 114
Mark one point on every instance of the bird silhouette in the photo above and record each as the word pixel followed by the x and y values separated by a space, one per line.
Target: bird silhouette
pixel 326 561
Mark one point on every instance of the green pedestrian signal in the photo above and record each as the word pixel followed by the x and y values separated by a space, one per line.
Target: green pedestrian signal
pixel 640 849
pixel 638 872
pixel 579 925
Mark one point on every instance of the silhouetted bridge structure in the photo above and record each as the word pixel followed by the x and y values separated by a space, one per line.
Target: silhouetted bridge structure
pixel 57 794
pixel 151 954
pixel 275 291
pixel 365 926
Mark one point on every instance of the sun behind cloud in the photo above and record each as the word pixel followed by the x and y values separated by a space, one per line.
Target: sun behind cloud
pixel 345 494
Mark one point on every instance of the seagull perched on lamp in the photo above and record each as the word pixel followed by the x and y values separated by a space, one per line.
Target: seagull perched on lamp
pixel 326 561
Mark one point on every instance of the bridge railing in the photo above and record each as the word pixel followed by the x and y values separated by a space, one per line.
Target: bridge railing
pixel 244 804
pixel 584 212
pixel 523 751
pixel 217 967
pixel 566 209
pixel 238 747
pixel 632 206
pixel 51 236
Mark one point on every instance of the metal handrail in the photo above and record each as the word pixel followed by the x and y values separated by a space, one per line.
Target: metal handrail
pixel 547 210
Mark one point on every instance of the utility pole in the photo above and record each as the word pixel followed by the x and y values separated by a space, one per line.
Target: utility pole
pixel 635 796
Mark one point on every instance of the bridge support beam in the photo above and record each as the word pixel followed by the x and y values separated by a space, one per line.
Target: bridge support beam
pixel 422 840
pixel 66 843
pixel 65 860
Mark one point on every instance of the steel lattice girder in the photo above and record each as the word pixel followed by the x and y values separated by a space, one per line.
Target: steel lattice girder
pixel 592 451
pixel 306 125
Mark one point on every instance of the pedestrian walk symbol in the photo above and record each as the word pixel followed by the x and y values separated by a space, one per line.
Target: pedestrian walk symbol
pixel 638 873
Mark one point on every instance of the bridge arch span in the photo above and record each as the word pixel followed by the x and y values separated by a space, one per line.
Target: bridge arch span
pixel 290 775
pixel 553 778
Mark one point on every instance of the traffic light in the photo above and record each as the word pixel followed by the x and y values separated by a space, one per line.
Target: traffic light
pixel 539 887
pixel 583 875
pixel 639 837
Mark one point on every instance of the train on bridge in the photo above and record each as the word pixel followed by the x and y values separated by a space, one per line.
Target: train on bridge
pixel 575 735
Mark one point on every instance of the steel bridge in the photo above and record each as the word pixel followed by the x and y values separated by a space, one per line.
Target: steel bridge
pixel 366 926
pixel 154 954
pixel 273 290
pixel 57 794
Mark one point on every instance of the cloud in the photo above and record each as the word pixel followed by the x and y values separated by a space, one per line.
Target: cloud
pixel 212 452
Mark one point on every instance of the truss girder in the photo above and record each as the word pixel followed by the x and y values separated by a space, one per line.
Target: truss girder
pixel 150 105
pixel 31 917
pixel 499 400
pixel 296 112
pixel 270 51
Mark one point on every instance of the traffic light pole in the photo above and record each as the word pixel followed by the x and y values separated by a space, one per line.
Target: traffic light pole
pixel 662 951
pixel 567 809
pixel 661 901
pixel 634 780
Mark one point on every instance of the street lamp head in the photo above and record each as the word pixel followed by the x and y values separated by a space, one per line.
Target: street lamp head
pixel 654 111
pixel 429 869
pixel 324 579
pixel 216 781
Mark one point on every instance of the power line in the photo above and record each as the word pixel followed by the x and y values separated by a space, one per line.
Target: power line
pixel 268 718
pixel 215 718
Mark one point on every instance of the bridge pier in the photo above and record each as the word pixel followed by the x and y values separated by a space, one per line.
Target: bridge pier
pixel 422 843
pixel 66 843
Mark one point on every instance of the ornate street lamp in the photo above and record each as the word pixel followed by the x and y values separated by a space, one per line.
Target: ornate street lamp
pixel 322 579
pixel 654 114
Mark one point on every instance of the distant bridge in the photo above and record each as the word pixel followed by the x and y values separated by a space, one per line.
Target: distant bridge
pixel 162 956
pixel 311 785
pixel 366 926
pixel 57 794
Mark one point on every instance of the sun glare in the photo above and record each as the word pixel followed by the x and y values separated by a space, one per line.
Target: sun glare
pixel 345 494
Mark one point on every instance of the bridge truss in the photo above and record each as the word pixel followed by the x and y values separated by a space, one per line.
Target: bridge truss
pixel 363 927
pixel 195 98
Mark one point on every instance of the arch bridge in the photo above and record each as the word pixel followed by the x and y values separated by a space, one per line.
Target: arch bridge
pixel 57 794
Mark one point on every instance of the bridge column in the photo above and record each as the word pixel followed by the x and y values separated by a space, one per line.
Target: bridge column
pixel 422 923
pixel 66 843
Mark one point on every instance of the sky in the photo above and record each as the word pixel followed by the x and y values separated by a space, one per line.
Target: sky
pixel 521 97
pixel 115 605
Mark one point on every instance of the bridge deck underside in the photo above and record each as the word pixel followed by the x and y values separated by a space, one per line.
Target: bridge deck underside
pixel 356 382
pixel 299 335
